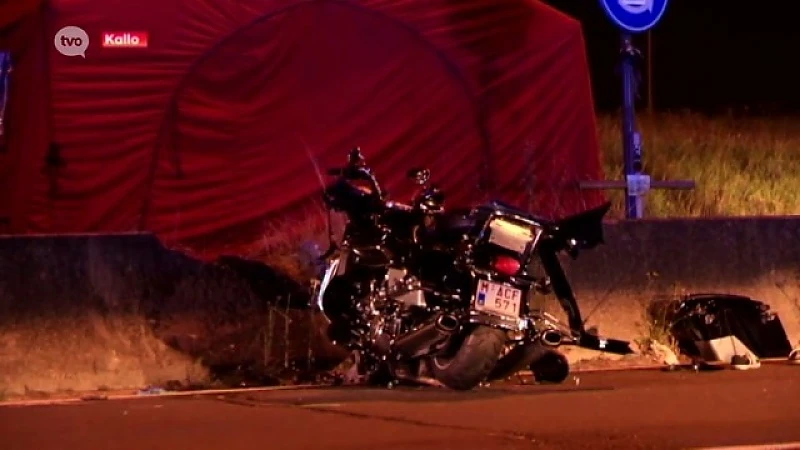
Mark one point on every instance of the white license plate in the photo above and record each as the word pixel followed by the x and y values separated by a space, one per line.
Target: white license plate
pixel 497 298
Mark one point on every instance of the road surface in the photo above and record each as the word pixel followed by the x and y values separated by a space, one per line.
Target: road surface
pixel 622 410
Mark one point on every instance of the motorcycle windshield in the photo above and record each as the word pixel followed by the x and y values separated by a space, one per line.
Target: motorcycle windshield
pixel 585 227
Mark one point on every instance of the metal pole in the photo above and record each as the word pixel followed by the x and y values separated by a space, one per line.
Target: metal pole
pixel 649 56
pixel 631 139
pixel 5 71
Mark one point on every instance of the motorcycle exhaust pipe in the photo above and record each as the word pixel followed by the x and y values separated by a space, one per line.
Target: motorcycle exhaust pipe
pixel 551 338
pixel 447 323
pixel 418 342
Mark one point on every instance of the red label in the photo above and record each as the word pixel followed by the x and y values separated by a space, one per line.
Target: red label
pixel 125 39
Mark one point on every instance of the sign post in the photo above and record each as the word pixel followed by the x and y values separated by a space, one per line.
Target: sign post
pixel 5 72
pixel 633 17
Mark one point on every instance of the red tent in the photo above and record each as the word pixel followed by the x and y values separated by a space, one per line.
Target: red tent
pixel 207 132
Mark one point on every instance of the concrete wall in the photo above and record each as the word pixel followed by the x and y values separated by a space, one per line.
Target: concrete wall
pixel 123 312
pixel 82 312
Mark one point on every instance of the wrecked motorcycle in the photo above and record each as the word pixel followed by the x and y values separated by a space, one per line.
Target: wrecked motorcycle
pixel 420 293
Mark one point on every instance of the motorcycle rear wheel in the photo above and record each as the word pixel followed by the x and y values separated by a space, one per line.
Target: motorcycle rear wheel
pixel 472 361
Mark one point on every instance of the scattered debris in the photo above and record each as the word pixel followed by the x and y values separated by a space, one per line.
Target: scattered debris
pixel 744 362
pixel 151 391
pixel 794 356
pixel 664 354
pixel 732 329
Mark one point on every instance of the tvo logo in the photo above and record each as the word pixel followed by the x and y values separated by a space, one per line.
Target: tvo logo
pixel 72 41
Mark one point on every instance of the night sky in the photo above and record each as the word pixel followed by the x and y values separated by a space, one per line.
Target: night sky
pixel 708 55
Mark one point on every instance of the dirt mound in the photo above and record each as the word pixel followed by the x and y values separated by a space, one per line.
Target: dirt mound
pixel 89 353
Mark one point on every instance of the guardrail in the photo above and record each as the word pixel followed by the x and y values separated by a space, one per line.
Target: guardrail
pixel 636 187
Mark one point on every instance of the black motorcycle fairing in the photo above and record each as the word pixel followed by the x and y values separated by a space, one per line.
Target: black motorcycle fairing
pixel 566 297
pixel 345 195
pixel 449 227
pixel 401 222
pixel 548 255
pixel 586 228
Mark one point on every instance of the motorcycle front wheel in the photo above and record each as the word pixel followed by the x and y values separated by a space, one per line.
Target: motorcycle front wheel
pixel 466 366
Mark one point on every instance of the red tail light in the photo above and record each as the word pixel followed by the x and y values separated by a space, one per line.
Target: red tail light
pixel 506 265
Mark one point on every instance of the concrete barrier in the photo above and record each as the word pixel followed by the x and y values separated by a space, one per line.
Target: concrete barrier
pixel 121 311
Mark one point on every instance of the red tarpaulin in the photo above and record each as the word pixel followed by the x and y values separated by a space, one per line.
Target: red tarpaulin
pixel 204 135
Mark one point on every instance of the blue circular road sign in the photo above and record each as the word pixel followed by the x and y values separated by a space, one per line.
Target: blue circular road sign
pixel 635 16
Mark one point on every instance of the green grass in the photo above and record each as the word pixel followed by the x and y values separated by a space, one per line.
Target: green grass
pixel 742 166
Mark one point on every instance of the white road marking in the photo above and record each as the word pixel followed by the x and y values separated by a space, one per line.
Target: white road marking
pixel 775 446
pixel 95 398
pixel 654 366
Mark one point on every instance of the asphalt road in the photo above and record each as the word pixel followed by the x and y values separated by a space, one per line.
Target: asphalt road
pixel 624 410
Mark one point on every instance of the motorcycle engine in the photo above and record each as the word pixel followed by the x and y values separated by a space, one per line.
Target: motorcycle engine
pixel 405 288
pixel 402 295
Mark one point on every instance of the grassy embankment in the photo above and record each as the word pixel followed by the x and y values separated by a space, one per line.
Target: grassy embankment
pixel 742 166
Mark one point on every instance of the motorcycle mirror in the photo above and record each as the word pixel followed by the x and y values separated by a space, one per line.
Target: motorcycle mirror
pixel 355 158
pixel 420 176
